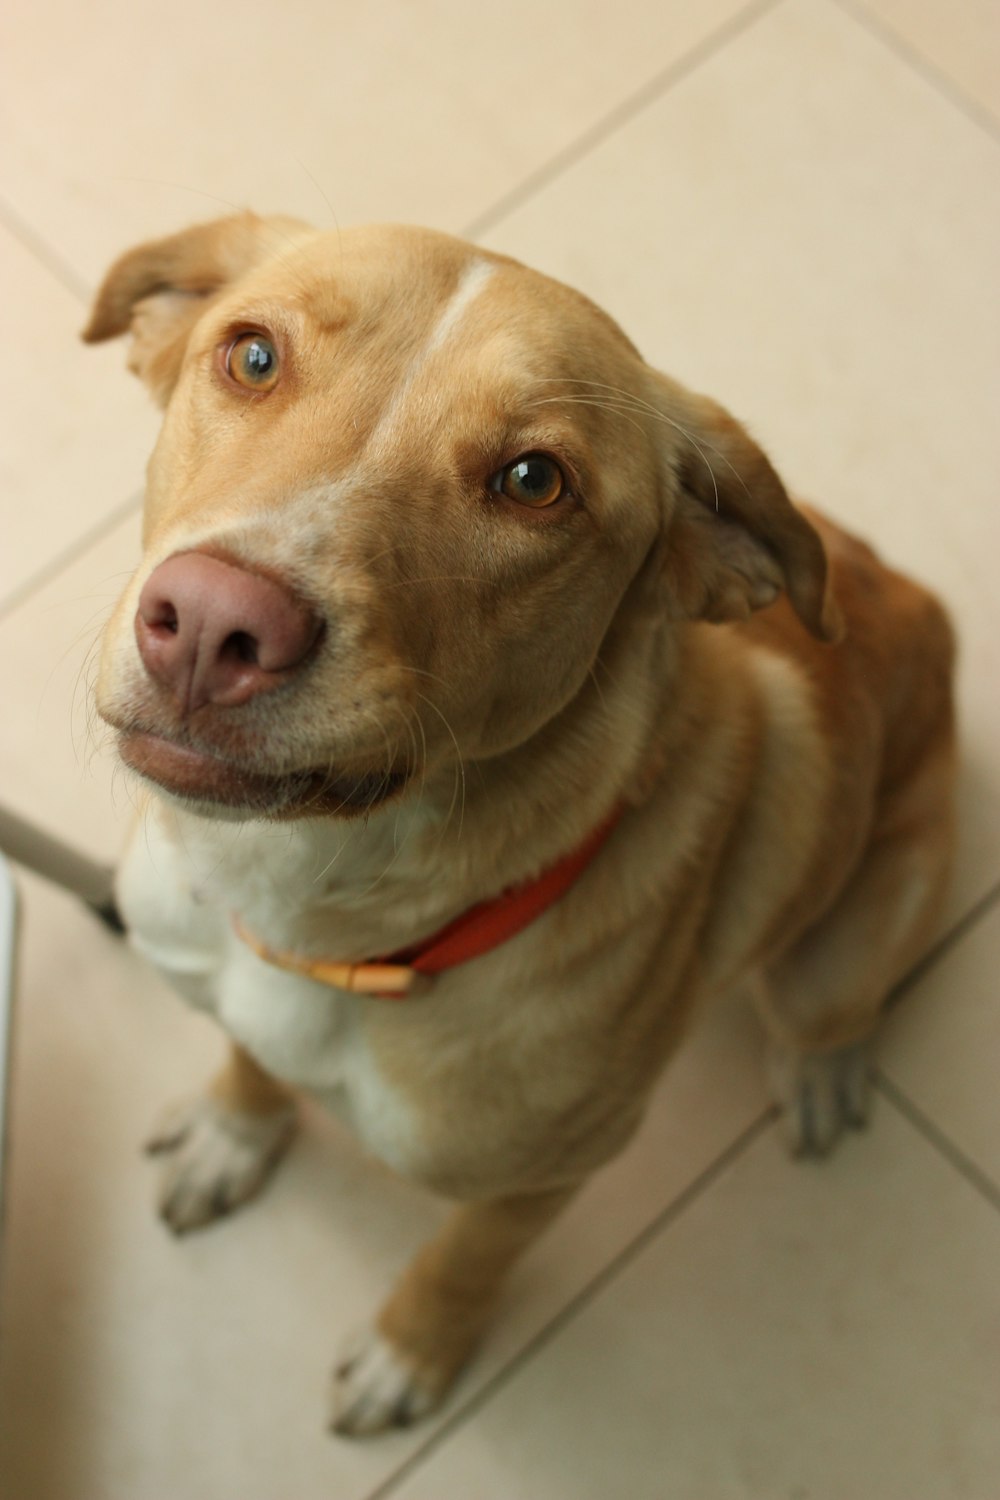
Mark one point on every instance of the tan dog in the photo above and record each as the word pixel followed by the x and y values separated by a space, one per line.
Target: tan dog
pixel 443 585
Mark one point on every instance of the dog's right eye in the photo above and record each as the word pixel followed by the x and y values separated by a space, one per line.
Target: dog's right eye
pixel 252 361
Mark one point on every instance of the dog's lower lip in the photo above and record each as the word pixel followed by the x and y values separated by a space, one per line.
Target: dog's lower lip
pixel 195 774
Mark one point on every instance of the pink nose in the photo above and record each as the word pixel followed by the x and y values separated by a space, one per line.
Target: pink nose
pixel 211 632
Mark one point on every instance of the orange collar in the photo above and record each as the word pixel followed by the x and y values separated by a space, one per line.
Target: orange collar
pixel 477 931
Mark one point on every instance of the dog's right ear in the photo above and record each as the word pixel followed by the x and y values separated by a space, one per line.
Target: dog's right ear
pixel 160 289
pixel 734 539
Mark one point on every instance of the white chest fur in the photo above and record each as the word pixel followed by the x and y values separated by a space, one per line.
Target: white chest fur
pixel 178 887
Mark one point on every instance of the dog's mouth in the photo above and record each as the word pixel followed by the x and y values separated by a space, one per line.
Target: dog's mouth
pixel 212 781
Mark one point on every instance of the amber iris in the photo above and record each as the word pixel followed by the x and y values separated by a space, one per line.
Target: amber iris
pixel 252 361
pixel 533 479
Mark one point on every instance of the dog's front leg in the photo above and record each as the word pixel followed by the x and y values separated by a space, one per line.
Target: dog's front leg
pixel 401 1368
pixel 221 1146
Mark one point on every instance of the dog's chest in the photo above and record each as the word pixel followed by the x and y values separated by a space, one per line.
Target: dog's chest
pixel 177 904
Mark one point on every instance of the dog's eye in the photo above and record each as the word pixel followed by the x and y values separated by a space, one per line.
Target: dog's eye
pixel 534 479
pixel 252 361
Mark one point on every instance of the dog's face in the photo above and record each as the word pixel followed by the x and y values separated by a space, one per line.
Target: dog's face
pixel 402 492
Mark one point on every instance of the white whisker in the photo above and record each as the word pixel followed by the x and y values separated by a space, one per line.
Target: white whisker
pixel 617 410
pixel 639 404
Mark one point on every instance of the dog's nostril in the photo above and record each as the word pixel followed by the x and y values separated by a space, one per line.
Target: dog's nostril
pixel 163 617
pixel 240 646
pixel 213 632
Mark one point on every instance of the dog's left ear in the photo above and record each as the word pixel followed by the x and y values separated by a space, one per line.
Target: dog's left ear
pixel 734 540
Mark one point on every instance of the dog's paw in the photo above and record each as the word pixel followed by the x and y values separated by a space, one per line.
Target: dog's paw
pixel 374 1387
pixel 821 1095
pixel 216 1159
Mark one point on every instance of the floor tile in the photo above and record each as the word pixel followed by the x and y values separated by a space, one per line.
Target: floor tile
pixel 760 232
pixel 942 1041
pixel 136 1366
pixel 77 428
pixel 804 225
pixel 883 409
pixel 55 765
pixel 958 38
pixel 799 1331
pixel 118 128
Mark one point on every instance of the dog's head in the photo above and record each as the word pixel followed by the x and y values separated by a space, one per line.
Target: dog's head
pixel 403 489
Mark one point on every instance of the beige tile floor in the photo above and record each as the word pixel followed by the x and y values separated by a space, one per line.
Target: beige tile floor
pixel 795 206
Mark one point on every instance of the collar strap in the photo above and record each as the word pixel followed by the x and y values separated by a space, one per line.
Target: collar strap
pixel 476 932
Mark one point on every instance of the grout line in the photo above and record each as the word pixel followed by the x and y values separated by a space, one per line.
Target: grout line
pixel 631 1252
pixel 68 555
pixel 615 118
pixel 945 943
pixel 936 1137
pixel 584 143
pixel 43 251
pixel 618 116
pixel 942 82
pixel 594 1287
pixel 540 178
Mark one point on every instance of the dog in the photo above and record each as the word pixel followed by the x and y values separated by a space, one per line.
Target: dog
pixel 495 709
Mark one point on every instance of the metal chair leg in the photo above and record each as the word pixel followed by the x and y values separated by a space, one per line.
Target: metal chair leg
pixel 26 844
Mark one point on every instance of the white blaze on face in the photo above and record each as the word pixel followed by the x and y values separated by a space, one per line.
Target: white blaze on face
pixel 313 509
pixel 471 283
pixel 475 276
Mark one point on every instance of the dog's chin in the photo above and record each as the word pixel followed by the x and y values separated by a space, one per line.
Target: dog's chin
pixel 215 787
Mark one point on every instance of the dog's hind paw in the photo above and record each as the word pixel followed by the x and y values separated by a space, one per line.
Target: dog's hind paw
pixel 374 1388
pixel 821 1094
pixel 216 1159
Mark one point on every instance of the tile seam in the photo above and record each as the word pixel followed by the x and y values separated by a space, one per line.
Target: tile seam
pixel 23 592
pixel 619 1263
pixel 940 949
pixel 619 115
pixel 576 1304
pixel 938 1139
pixel 46 254
pixel 935 76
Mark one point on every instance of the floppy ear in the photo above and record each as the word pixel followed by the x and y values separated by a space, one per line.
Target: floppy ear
pixel 160 289
pixel 734 539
